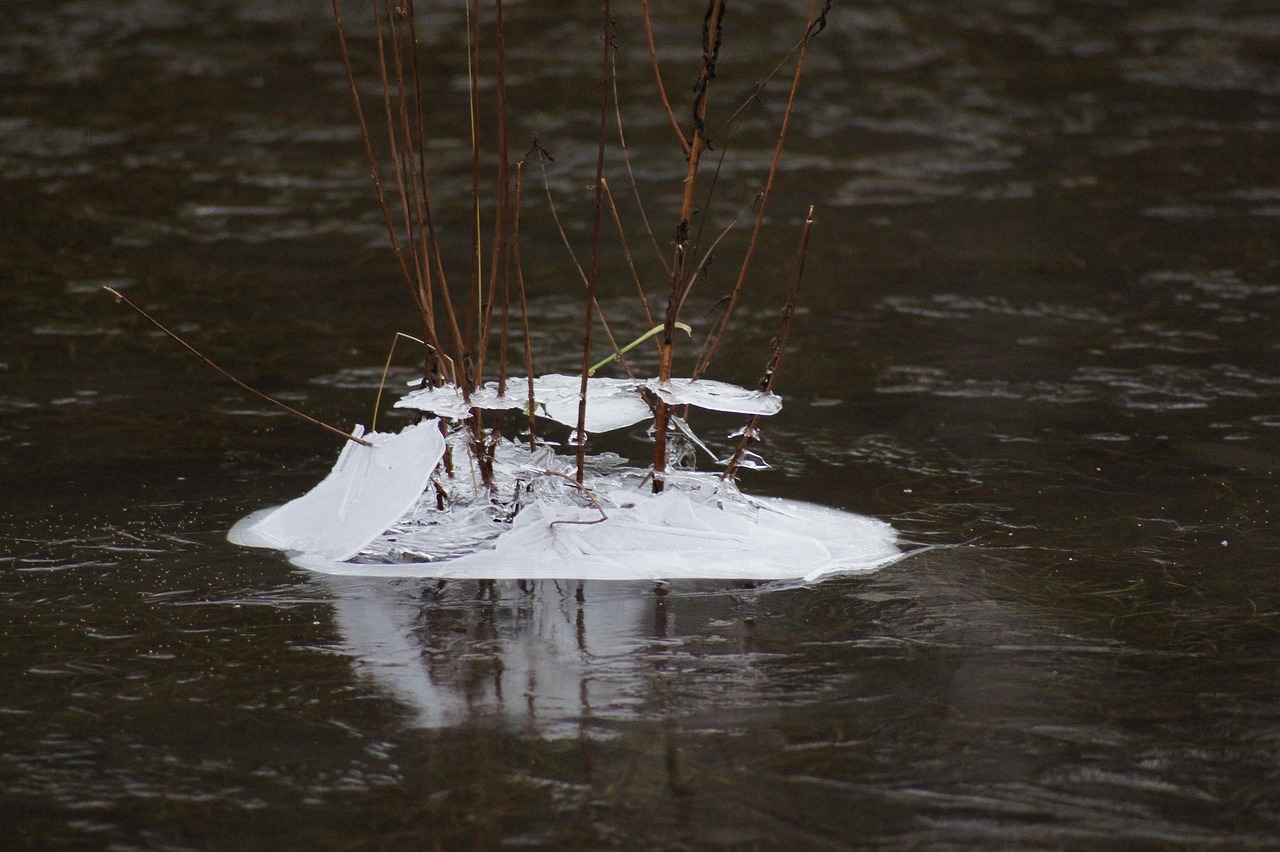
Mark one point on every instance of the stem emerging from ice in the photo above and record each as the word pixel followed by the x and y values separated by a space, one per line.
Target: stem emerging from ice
pixel 120 297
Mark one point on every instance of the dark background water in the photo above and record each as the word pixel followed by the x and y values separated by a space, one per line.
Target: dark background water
pixel 1040 333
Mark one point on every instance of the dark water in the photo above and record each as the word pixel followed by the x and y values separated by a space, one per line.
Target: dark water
pixel 1040 334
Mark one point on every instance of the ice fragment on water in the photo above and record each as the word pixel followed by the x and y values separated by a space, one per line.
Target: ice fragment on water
pixel 367 491
pixel 611 403
pixel 715 396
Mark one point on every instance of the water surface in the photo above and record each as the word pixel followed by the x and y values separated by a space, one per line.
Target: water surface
pixel 1039 335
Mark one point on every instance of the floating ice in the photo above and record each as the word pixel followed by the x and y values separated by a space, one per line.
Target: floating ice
pixel 367 491
pixel 611 403
pixel 445 401
pixel 370 517
pixel 715 396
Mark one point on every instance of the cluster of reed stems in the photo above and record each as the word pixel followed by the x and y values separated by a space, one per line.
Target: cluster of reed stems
pixel 466 328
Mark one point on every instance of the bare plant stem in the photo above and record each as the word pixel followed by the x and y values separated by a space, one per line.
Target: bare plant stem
pixel 543 156
pixel 779 342
pixel 577 483
pixel 811 29
pixel 697 143
pixel 597 215
pixel 657 76
pixel 120 297
pixel 498 267
pixel 631 175
pixel 426 221
pixel 524 310
pixel 386 369
pixel 371 160
pixel 475 298
pixel 626 250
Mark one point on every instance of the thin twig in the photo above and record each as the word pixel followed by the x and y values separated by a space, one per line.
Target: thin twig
pixel 524 308
pixel 386 368
pixel 631 175
pixel 122 298
pixel 626 251
pixel 585 490
pixel 657 77
pixel 543 157
pixel 596 216
pixel 370 158
pixel 697 144
pixel 765 195
pixel 779 342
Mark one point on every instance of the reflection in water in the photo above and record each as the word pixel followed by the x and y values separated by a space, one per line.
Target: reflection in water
pixel 539 655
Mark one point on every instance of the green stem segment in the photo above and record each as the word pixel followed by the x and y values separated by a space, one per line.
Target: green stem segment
pixel 633 344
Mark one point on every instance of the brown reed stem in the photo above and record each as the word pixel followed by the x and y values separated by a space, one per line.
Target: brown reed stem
pixel 120 297
pixel 427 229
pixel 779 342
pixel 543 156
pixel 475 296
pixel 657 77
pixel 498 267
pixel 635 185
pixel 596 216
pixel 626 251
pixel 370 159
pixel 524 308
pixel 811 30
pixel 711 30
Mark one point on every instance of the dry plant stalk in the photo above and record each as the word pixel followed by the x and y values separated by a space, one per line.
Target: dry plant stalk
pixel 411 226
pixel 749 431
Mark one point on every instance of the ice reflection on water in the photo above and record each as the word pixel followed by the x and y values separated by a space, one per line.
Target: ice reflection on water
pixel 531 656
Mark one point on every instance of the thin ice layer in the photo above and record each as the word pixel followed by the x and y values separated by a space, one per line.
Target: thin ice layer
pixel 611 403
pixel 672 535
pixel 367 491
pixel 715 396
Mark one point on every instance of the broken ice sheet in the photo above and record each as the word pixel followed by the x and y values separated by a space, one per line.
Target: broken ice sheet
pixel 371 517
pixel 715 396
pixel 367 491
pixel 444 401
pixel 611 403
pixel 699 534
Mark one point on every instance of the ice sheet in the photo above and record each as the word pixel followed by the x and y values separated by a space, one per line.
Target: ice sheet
pixel 370 517
pixel 368 489
pixel 611 403
pixel 715 396
pixel 673 535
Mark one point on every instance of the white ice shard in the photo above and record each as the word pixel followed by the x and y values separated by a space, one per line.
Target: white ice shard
pixel 715 396
pixel 611 403
pixel 445 401
pixel 367 491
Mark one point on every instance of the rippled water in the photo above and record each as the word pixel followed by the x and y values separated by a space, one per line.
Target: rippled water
pixel 1040 335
